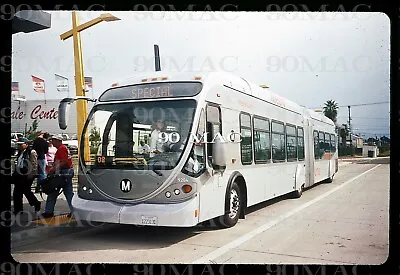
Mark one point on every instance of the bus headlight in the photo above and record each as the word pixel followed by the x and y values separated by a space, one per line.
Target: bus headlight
pixel 177 192
pixel 187 188
pixel 84 188
pixel 168 194
pixel 90 191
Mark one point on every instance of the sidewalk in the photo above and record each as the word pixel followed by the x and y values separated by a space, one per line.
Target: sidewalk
pixel 29 219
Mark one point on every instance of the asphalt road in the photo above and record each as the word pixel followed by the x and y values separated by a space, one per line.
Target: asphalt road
pixel 344 222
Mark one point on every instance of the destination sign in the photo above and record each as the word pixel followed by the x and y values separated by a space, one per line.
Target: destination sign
pixel 152 90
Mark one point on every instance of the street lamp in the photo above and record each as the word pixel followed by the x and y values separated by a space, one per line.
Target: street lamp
pixel 81 106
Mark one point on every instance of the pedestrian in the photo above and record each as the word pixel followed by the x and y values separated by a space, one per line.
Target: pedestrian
pixel 50 155
pixel 41 147
pixel 156 144
pixel 62 166
pixel 24 172
pixel 144 148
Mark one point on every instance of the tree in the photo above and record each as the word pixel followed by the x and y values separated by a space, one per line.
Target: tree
pixel 330 110
pixel 95 139
pixel 32 133
pixel 344 132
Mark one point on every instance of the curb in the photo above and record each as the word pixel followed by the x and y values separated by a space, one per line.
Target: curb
pixel 356 159
pixel 36 230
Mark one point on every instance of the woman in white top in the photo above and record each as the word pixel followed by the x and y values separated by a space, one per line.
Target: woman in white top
pixel 50 155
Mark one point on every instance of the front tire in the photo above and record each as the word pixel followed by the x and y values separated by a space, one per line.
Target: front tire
pixel 235 204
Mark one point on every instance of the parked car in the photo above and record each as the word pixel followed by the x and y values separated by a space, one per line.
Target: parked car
pixel 14 138
pixel 72 145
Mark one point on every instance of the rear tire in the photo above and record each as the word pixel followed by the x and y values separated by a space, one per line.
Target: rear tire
pixel 330 179
pixel 235 204
pixel 297 194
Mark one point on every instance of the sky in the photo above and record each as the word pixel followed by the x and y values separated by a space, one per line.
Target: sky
pixel 306 57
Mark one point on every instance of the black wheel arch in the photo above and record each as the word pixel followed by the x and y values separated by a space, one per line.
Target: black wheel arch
pixel 239 179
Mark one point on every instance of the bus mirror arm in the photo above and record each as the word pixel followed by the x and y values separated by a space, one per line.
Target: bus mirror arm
pixel 63 110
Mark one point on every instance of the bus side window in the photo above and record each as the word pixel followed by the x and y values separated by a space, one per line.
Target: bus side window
pixel 316 146
pixel 291 143
pixel 261 140
pixel 333 145
pixel 246 150
pixel 321 145
pixel 278 141
pixel 300 143
pixel 327 143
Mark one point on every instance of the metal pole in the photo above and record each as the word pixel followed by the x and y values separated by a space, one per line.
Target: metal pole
pixel 81 105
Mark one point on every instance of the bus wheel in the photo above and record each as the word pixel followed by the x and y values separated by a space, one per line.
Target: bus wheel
pixel 330 179
pixel 297 194
pixel 235 203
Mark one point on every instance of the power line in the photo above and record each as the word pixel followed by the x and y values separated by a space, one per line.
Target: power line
pixel 351 105
pixel 360 117
pixel 365 104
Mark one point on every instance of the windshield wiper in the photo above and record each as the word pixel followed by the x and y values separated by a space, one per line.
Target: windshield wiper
pixel 157 172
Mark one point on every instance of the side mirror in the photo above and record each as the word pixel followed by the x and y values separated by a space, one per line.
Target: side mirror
pixel 63 112
pixel 219 158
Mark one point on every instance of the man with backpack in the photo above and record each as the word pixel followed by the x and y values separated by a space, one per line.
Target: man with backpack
pixel 62 166
pixel 24 172
pixel 41 147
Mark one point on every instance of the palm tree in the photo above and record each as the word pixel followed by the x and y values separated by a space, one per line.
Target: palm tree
pixel 330 110
pixel 344 132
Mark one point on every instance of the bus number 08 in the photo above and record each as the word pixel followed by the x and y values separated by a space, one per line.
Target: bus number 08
pixel 101 159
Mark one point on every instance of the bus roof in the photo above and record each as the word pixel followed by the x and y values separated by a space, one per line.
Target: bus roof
pixel 227 79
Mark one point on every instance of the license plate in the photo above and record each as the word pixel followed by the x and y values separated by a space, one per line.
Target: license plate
pixel 149 220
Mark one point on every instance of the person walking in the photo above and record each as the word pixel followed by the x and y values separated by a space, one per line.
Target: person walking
pixel 41 147
pixel 24 172
pixel 62 166
pixel 50 155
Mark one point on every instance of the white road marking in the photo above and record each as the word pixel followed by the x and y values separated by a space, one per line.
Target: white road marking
pixel 224 249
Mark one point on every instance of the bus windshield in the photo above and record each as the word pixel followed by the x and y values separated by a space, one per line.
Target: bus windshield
pixel 138 135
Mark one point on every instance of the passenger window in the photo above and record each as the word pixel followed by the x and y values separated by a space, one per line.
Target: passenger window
pixel 333 143
pixel 327 146
pixel 316 145
pixel 291 143
pixel 246 150
pixel 278 141
pixel 262 140
pixel 300 143
pixel 321 146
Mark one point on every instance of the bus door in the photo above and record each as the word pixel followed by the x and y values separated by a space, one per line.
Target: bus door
pixel 213 127
pixel 309 153
pixel 212 194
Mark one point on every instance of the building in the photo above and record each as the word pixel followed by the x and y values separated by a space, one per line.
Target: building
pixel 24 112
pixel 357 141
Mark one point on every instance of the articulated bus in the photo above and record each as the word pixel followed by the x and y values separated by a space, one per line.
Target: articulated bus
pixel 178 149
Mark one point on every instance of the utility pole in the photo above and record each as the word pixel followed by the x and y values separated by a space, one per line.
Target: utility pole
pixel 349 118
pixel 349 124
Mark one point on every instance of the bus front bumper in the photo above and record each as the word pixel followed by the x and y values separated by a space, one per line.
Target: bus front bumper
pixel 184 214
